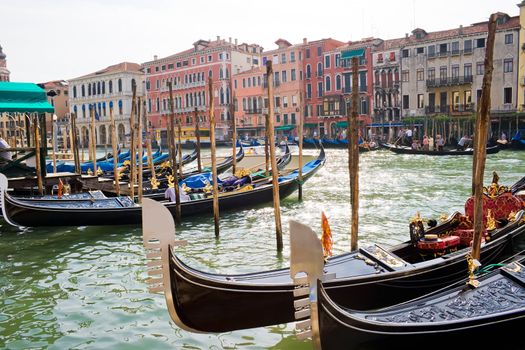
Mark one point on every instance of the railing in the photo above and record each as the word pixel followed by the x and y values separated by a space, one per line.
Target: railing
pixel 449 81
pixel 275 84
pixel 348 89
pixel 184 86
pixel 253 111
pixel 456 108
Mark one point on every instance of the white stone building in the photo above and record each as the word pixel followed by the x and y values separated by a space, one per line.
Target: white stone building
pixel 111 86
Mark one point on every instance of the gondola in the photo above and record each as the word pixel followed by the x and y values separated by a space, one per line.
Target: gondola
pixel 449 152
pixel 122 211
pixel 373 276
pixel 457 315
pixel 463 312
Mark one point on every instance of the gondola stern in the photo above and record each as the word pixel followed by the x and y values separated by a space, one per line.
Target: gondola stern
pixel 4 185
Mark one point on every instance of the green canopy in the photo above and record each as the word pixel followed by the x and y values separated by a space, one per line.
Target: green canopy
pixel 352 53
pixel 285 127
pixel 310 125
pixel 23 97
pixel 341 124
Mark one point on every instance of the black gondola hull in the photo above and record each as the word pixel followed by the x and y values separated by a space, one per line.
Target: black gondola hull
pixel 267 298
pixel 406 150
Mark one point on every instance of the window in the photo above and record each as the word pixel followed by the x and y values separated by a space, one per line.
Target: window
pixel 319 110
pixel 307 53
pixel 285 119
pixel 455 71
pixel 201 60
pixel 420 101
pixel 308 90
pixel 467 71
pixel 480 42
pixel 283 58
pixel 455 100
pixel 420 74
pixel 420 50
pixel 468 97
pixel 319 69
pixel 292 75
pixel 293 118
pixel 443 48
pixel 294 100
pixel 120 85
pixel 392 56
pixel 337 60
pixel 508 38
pixel 431 51
pixel 328 84
pixel 431 73
pixel 327 61
pixel 110 86
pixel 74 91
pixel 405 75
pixel 406 101
pixel 250 81
pixel 243 82
pixel 320 89
pixel 283 76
pixel 209 58
pixel 193 61
pixel 308 71
pixel 285 101
pixel 507 65
pixel 338 82
pixel 163 67
pixel 405 53
pixel 455 48
pixel 292 56
pixel 148 85
pixel 467 46
pixel 275 59
pixel 507 95
pixel 319 51
pixel 480 68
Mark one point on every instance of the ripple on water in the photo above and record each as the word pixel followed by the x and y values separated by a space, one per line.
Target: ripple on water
pixel 84 287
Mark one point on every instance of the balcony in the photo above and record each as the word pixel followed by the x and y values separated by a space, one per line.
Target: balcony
pixel 275 84
pixel 451 109
pixel 504 109
pixel 183 86
pixel 276 110
pixel 348 90
pixel 253 111
pixel 449 81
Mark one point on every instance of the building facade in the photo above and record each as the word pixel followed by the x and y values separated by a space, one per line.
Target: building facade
pixel 107 88
pixel 4 72
pixel 189 71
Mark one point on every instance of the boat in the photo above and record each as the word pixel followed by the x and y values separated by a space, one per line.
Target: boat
pixel 448 152
pixel 465 311
pixel 374 276
pixel 518 141
pixel 123 211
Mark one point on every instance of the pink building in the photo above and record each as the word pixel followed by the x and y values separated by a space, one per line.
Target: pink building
pixel 252 93
pixel 189 71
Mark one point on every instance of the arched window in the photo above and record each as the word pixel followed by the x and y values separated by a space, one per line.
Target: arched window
pixel 104 87
pixel 120 109
pixel 187 100
pixel 220 73
pixel 110 86
pixel 338 82
pixel 244 103
pixel 74 91
pixel 99 90
pixel 83 90
pixel 328 85
pixel 210 73
pixel 308 71
pixel 194 78
pixel 120 85
pixel 227 95
pixel 222 96
pixel 89 89
pixel 227 73
pixel 319 69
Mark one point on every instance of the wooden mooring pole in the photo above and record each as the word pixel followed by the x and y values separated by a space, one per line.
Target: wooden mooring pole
pixel 198 136
pixel 140 150
pixel 213 159
pixel 173 154
pixel 233 107
pixel 132 150
pixel 114 146
pixel 275 172
pixel 482 123
pixel 353 156
pixel 300 140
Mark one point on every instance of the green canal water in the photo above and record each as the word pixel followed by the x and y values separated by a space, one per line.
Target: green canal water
pixel 84 287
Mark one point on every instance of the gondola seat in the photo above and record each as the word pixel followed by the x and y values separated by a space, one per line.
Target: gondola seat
pixel 467 235
pixel 438 246
pixel 501 207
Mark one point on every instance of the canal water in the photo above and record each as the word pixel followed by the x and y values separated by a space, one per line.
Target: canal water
pixel 84 287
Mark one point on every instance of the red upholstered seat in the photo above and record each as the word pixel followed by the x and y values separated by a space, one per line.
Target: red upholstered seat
pixel 466 235
pixel 438 245
pixel 500 207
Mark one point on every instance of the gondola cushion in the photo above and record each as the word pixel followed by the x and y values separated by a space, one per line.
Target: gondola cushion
pixel 466 236
pixel 438 245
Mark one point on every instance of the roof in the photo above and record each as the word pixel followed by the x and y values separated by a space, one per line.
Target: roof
pixel 116 68
pixel 23 97
pixel 476 28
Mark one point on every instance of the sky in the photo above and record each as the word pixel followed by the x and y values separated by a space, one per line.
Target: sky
pixel 62 39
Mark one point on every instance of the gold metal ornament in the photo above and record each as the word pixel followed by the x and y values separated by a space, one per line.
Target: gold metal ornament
pixel 154 183
pixel 170 181
pixel 473 264
pixel 491 222
pixel 90 172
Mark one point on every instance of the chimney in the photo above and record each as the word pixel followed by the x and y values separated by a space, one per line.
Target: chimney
pixel 406 35
pixel 461 29
pixel 236 42
pixel 230 39
pixel 155 57
pixel 218 38
pixel 305 41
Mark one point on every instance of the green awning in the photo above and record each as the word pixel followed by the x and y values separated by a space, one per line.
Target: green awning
pixel 341 124
pixel 352 53
pixel 284 127
pixel 23 97
pixel 310 125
